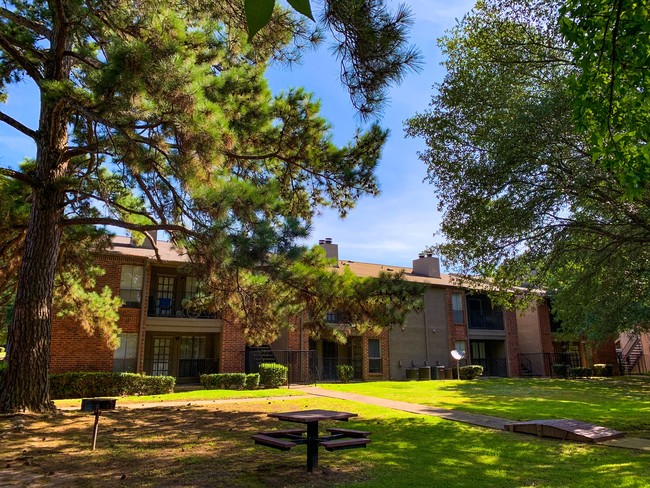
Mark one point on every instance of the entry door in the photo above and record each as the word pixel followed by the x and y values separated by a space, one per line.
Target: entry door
pixel 162 349
pixel 191 361
pixel 330 359
pixel 165 296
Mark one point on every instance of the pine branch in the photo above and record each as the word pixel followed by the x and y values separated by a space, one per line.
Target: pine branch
pixel 126 225
pixel 22 61
pixel 27 23
pixel 17 175
pixel 32 134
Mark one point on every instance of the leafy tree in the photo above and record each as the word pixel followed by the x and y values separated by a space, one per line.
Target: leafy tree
pixel 156 116
pixel 524 204
pixel 609 44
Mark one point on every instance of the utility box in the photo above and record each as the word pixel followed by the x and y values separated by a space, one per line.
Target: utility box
pixel 424 373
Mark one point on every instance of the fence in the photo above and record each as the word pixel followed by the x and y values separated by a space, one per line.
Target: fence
pixel 541 364
pixel 302 366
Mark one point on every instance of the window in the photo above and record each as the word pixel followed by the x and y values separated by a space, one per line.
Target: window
pixel 457 307
pixel 124 357
pixel 191 287
pixel 131 285
pixel 374 356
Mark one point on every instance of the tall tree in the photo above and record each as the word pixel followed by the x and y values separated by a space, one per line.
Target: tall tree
pixel 609 44
pixel 156 116
pixel 524 204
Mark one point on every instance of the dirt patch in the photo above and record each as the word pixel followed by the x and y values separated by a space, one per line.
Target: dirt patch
pixel 207 445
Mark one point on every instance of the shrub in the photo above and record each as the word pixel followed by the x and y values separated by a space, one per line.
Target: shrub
pixel 224 381
pixel 235 381
pixel 252 381
pixel 560 370
pixel 470 372
pixel 93 384
pixel 273 375
pixel 579 372
pixel 211 381
pixel 344 372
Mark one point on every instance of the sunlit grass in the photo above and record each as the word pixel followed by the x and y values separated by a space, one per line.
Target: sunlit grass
pixel 210 445
pixel 189 396
pixel 619 403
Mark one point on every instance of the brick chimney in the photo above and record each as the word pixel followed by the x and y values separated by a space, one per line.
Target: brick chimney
pixel 427 266
pixel 146 244
pixel 331 249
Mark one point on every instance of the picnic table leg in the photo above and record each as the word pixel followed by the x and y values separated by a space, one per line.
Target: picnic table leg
pixel 312 446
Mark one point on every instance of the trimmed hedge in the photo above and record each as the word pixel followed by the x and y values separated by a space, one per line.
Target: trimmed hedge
pixel 225 381
pixel 94 384
pixel 252 381
pixel 470 372
pixel 560 370
pixel 273 375
pixel 578 372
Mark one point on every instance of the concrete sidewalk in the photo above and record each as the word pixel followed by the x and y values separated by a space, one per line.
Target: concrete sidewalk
pixel 455 415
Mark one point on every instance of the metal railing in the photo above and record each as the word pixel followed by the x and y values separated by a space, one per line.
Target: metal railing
pixel 187 369
pixel 493 367
pixel 302 365
pixel 485 320
pixel 541 364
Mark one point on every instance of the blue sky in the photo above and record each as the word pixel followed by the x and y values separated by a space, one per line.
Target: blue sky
pixel 395 226
pixel 389 229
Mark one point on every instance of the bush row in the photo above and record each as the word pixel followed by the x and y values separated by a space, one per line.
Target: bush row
pixel 225 381
pixel 470 372
pixel 95 384
pixel 566 371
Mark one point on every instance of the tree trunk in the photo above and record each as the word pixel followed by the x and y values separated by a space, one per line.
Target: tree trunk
pixel 26 383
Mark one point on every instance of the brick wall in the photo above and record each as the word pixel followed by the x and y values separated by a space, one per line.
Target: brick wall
pixel 512 342
pixel 233 347
pixel 457 332
pixel 385 357
pixel 72 348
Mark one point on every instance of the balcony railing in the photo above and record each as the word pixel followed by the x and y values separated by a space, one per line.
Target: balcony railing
pixel 485 320
pixel 167 307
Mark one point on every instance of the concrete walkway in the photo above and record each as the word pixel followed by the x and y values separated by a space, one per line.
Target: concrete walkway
pixel 455 415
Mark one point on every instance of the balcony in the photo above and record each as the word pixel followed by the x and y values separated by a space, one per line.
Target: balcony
pixel 167 307
pixel 492 320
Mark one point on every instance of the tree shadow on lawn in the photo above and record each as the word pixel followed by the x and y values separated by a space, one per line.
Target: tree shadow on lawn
pixel 211 446
pixel 621 403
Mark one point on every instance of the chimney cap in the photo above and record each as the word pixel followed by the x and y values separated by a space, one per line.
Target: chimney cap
pixel 429 254
pixel 321 241
pixel 421 255
pixel 328 240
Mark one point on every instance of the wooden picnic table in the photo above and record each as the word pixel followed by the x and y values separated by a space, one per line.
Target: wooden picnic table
pixel 341 438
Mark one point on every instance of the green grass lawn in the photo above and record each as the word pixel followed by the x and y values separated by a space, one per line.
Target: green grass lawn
pixel 189 396
pixel 210 445
pixel 621 403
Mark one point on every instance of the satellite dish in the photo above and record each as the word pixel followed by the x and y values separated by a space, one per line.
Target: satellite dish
pixel 457 355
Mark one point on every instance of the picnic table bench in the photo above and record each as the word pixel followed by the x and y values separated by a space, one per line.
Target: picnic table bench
pixel 287 439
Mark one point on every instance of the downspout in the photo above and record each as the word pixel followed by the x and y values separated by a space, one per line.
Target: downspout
pixel 144 305
pixel 426 332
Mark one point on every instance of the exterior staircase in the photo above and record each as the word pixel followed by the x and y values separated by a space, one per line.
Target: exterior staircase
pixel 258 355
pixel 631 353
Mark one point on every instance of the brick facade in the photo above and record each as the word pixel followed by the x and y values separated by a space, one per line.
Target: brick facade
pixel 74 349
pixel 512 342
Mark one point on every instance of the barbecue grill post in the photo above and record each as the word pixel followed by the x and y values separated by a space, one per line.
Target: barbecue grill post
pixel 96 426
